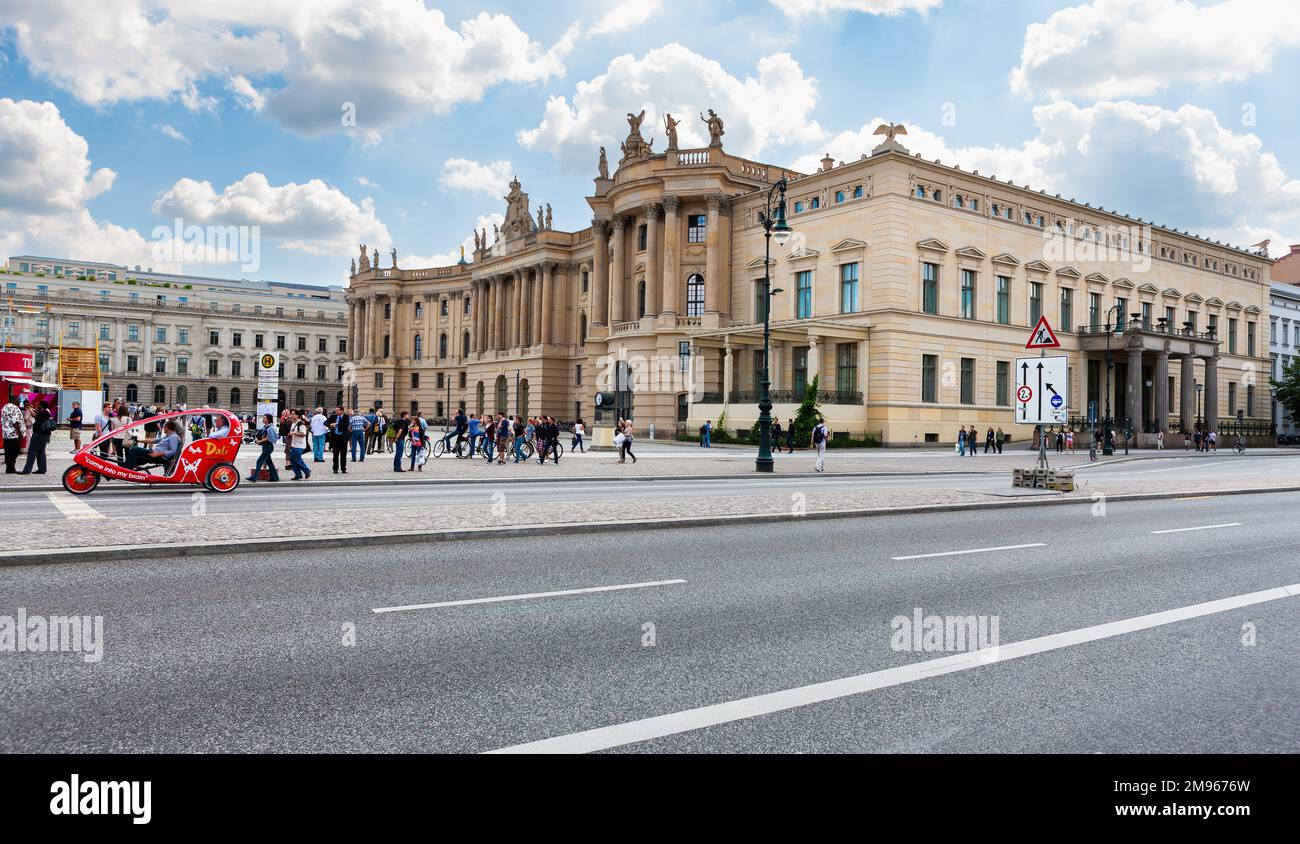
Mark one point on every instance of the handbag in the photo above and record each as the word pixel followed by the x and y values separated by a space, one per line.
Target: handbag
pixel 619 439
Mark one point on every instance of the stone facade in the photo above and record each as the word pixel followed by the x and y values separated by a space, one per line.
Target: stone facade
pixel 136 319
pixel 669 279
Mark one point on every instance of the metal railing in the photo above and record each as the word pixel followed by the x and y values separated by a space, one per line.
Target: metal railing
pixel 1161 327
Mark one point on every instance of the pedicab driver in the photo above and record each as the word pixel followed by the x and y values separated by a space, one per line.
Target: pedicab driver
pixel 161 451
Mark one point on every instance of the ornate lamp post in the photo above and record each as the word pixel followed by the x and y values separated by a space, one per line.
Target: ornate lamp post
pixel 774 225
pixel 1107 443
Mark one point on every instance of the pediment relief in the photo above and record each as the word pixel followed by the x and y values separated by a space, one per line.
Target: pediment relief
pixel 1171 292
pixel 1233 305
pixel 1038 267
pixel 1148 287
pixel 757 264
pixel 1195 298
pixel 1253 309
pixel 1214 302
pixel 1123 282
pixel 972 252
pixel 1006 258
pixel 1097 278
pixel 1069 272
pixel 848 244
pixel 932 244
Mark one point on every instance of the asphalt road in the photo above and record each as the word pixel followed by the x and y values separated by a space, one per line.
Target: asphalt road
pixel 247 653
pixel 123 501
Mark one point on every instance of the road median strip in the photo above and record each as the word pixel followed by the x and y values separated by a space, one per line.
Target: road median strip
pixel 110 553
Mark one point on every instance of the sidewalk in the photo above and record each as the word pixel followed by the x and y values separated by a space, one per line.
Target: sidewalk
pixel 656 460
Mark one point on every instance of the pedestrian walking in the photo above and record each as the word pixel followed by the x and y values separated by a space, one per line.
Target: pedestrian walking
pixel 819 436
pixel 776 436
pixel 339 432
pixel 1069 441
pixel 961 442
pixel 267 436
pixel 397 434
pixel 999 438
pixel 14 427
pixel 988 441
pixel 505 434
pixel 627 440
pixel 41 428
pixel 706 431
pixel 358 425
pixel 520 430
pixel 298 433
pixel 318 430
pixel 578 431
pixel 1160 440
pixel 74 426
pixel 789 435
pixel 417 442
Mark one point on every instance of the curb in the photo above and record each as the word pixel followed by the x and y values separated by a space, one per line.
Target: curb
pixel 156 551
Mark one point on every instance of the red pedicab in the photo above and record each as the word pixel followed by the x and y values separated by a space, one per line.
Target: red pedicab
pixel 209 461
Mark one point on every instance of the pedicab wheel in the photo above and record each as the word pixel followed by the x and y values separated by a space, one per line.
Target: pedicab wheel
pixel 80 481
pixel 223 477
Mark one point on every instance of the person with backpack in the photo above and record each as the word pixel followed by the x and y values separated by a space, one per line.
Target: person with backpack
pixel 705 431
pixel 819 436
pixel 267 437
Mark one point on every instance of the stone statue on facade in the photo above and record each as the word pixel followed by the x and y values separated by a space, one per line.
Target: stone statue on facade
pixel 890 131
pixel 715 128
pixel 478 244
pixel 496 233
pixel 519 221
pixel 394 253
pixel 635 146
pixel 375 263
pixel 550 221
pixel 634 123
pixel 670 126
pixel 604 164
pixel 365 259
pixel 541 218
pixel 354 267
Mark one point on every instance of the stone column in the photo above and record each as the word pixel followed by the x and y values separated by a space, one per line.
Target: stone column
pixel 478 303
pixel 119 337
pixel 616 313
pixel 352 324
pixel 498 331
pixel 727 366
pixel 864 371
pixel 600 273
pixel 548 282
pixel 376 328
pixel 713 262
pixel 1133 400
pixel 1160 383
pixel 652 269
pixel 539 316
pixel 672 258
pixel 1187 390
pixel 1212 394
pixel 518 333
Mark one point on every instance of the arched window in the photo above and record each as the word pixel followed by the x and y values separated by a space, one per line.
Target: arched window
pixel 320 398
pixel 479 399
pixel 442 346
pixel 464 344
pixel 212 396
pixel 640 300
pixel 582 330
pixel 695 295
pixel 419 347
pixel 182 395
pixel 160 394
pixel 300 398
pixel 132 393
pixel 503 395
pixel 234 398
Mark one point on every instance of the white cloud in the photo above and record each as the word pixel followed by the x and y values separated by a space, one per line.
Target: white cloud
pixel 396 60
pixel 626 15
pixel 171 132
pixel 446 259
pixel 800 8
pixel 1135 48
pixel 772 108
pixel 46 180
pixel 366 183
pixel 1177 168
pixel 462 174
pixel 311 217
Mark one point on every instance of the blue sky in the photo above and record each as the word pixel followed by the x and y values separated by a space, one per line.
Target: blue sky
pixel 229 113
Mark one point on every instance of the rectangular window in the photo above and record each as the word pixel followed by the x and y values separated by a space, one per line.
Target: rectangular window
pixel 839 196
pixel 182 366
pixel 236 368
pixel 848 288
pixel 103 331
pixel 1094 311
pixel 760 302
pixel 302 344
pixel 379 380
pixel 302 372
pixel 1035 302
pixel 322 344
pixel 1004 384
pixel 800 370
pixel 640 238
pixel 1121 312
pixel 160 366
pixel 968 380
pixel 695 228
pixel 929 288
pixel 846 367
pixel 212 367
pixel 1146 316
pixel 415 380
pixel 1232 399
pixel 343 346
pixel 320 372
pixel 160 335
pixel 1250 400
pixel 281 341
pixel 683 359
pixel 1067 309
pixel 803 306
pixel 929 365
pixel 103 363
pixel 968 294
pixel 1191 321
pixel 133 333
pixel 1004 299
pixel 1212 325
pixel 236 339
pixel 183 336
pixel 132 363
pixel 1232 336
pixel 1250 343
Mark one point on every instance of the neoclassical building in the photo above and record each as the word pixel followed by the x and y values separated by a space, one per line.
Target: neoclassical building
pixel 908 290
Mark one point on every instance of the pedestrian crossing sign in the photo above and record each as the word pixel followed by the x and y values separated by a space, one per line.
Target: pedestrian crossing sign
pixel 1043 337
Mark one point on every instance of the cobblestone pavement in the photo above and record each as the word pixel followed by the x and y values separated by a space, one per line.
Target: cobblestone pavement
pixel 655 459
pixel 73 532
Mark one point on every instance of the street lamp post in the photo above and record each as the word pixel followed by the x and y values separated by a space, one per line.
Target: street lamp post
pixel 1107 443
pixel 774 225
pixel 1199 388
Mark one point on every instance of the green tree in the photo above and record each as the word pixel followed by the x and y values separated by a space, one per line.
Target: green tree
pixel 1288 389
pixel 805 419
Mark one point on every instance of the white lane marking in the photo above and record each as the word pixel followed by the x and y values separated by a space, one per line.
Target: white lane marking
pixel 1200 527
pixel 618 735
pixel 73 507
pixel 529 596
pixel 971 551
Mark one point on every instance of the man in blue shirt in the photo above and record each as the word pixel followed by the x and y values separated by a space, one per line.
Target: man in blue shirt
pixel 475 431
pixel 462 425
pixel 358 425
pixel 162 451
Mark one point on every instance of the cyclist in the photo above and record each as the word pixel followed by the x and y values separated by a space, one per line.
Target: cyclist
pixel 461 426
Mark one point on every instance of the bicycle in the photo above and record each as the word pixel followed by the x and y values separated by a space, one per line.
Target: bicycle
pixel 1092 451
pixel 1238 445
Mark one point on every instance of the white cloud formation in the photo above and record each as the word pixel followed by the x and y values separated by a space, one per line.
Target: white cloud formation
pixel 772 108
pixel 801 8
pixel 626 15
pixel 462 174
pixel 1177 168
pixel 171 132
pixel 46 180
pixel 446 259
pixel 1135 48
pixel 395 60
pixel 312 217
